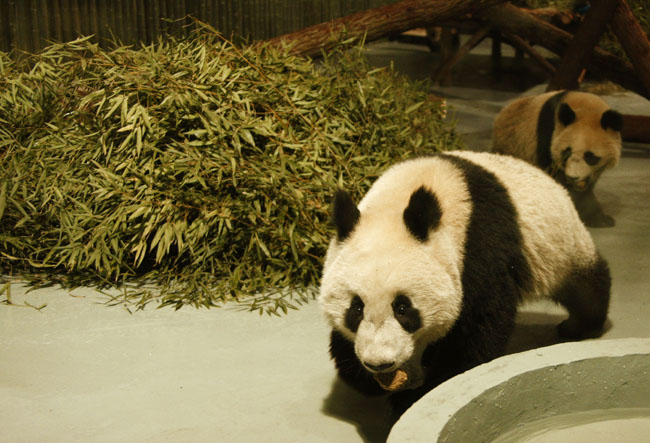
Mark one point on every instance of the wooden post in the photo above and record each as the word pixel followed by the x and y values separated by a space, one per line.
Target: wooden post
pixel 634 41
pixel 443 73
pixel 579 51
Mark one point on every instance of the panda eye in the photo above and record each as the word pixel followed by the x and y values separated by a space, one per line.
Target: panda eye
pixel 401 309
pixel 406 314
pixel 354 314
pixel 566 153
pixel 591 159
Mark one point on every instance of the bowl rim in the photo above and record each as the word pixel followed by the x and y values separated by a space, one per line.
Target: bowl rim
pixel 454 394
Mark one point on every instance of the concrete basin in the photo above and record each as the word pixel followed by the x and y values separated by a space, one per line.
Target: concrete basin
pixel 581 391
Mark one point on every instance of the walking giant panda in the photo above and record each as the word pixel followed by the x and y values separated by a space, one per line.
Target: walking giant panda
pixel 574 136
pixel 423 278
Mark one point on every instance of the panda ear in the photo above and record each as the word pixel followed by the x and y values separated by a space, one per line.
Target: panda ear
pixel 612 119
pixel 565 114
pixel 345 215
pixel 422 213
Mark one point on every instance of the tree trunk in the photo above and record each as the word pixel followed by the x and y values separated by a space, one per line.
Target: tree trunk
pixel 634 41
pixel 578 53
pixel 377 22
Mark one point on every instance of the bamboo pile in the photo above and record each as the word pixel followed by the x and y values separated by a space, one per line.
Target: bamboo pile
pixel 193 171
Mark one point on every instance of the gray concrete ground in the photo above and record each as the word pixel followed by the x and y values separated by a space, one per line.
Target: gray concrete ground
pixel 79 371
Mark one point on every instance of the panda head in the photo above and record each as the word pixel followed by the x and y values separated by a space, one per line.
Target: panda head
pixel 384 288
pixel 587 140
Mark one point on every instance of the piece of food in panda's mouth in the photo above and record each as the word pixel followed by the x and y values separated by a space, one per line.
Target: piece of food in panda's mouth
pixel 392 381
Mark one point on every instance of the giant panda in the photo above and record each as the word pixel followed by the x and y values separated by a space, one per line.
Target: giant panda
pixel 423 278
pixel 574 136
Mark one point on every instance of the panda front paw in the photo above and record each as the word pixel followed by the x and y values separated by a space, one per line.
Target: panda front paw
pixel 571 330
pixel 600 221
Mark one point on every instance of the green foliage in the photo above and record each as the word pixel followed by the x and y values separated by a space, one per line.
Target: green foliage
pixel 193 171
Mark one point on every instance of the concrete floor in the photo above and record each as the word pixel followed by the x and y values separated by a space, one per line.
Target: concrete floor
pixel 79 371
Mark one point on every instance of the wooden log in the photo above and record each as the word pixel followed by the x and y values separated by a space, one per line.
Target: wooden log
pixel 581 47
pixel 377 22
pixel 634 41
pixel 513 20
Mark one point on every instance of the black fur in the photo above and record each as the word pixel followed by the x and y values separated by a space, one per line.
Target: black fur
pixel 406 314
pixel 591 159
pixel 565 114
pixel 422 213
pixel 589 209
pixel 545 129
pixel 354 314
pixel 345 215
pixel 611 119
pixel 585 294
pixel 349 367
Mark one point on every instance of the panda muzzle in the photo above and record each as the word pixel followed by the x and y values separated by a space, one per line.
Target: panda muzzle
pixel 392 381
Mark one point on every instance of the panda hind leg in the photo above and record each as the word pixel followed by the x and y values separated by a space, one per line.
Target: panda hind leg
pixel 585 295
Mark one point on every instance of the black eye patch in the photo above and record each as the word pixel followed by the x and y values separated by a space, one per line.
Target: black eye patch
pixel 566 153
pixel 354 314
pixel 407 316
pixel 591 159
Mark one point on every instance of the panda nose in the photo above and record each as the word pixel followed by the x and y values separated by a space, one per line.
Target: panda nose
pixel 378 368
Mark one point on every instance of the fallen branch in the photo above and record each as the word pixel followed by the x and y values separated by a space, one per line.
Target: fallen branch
pixel 376 23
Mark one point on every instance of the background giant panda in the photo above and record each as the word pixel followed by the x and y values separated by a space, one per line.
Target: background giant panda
pixel 574 136
pixel 423 278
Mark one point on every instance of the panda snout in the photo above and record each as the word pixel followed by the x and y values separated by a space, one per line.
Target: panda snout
pixel 577 183
pixel 381 367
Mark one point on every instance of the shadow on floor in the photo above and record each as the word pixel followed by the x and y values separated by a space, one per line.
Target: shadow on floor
pixel 370 415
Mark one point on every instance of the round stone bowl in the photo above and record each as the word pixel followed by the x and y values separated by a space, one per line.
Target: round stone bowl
pixel 566 392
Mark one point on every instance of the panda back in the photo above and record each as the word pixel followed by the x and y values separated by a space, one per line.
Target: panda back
pixel 554 240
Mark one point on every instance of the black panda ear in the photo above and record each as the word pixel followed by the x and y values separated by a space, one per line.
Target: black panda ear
pixel 612 119
pixel 565 114
pixel 345 215
pixel 422 213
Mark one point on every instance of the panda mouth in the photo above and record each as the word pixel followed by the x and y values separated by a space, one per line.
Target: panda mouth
pixel 392 381
pixel 581 185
